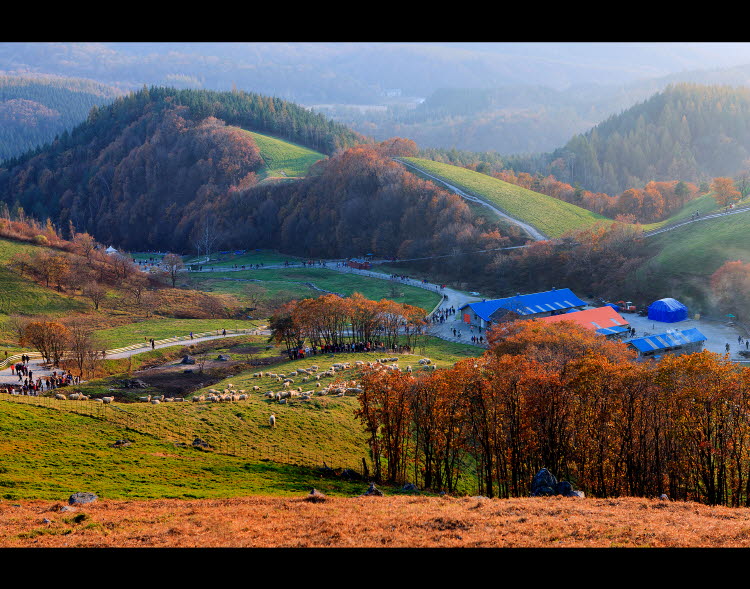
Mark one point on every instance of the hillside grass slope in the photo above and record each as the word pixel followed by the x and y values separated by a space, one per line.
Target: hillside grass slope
pixel 551 216
pixel 284 159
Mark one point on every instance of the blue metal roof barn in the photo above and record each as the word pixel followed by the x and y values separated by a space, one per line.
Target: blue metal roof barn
pixel 536 304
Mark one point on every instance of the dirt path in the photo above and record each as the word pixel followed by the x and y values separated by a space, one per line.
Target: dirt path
pixel 38 369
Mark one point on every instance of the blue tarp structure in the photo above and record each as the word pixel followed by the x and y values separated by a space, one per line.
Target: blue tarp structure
pixel 667 311
pixel 615 307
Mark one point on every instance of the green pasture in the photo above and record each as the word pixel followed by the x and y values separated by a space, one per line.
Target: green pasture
pixel 551 216
pixel 249 258
pixel 162 328
pixel 279 281
pixel 283 158
pixel 50 454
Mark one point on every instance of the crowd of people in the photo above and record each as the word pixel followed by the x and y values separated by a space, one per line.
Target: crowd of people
pixel 347 348
pixel 28 385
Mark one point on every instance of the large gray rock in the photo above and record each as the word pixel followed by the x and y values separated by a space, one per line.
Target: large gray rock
pixel 187 359
pixel 80 498
pixel 544 484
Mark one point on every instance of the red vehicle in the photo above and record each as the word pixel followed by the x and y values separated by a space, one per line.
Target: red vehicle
pixel 626 306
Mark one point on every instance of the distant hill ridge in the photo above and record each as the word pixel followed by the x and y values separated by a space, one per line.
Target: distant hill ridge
pixel 36 108
pixel 688 132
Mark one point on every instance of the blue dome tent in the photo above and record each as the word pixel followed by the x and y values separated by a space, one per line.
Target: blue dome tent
pixel 667 311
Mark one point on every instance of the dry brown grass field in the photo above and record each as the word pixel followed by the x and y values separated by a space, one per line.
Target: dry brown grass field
pixel 375 522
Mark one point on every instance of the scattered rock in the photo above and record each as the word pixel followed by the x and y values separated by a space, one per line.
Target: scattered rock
pixel 187 359
pixel 223 357
pixel 316 496
pixel 81 498
pixel 135 383
pixel 664 497
pixel 46 521
pixel 373 491
pixel 198 443
pixel 121 443
pixel 350 475
pixel 410 487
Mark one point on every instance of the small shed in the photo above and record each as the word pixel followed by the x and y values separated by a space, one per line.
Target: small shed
pixel 667 311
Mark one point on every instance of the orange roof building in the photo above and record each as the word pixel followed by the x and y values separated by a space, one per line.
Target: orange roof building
pixel 604 320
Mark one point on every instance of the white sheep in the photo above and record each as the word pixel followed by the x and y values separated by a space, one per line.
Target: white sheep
pixel 272 420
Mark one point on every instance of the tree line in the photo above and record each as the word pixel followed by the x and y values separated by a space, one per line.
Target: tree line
pixel 332 322
pixel 563 398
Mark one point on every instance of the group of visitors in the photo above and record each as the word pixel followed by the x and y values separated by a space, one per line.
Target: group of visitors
pixel 35 387
pixel 347 348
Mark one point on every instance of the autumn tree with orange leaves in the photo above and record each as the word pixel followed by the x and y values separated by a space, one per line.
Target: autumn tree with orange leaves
pixel 725 193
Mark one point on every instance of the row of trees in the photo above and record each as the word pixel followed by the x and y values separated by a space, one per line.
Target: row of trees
pixel 561 397
pixel 333 320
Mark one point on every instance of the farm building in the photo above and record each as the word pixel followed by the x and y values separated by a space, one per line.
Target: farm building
pixel 667 311
pixel 604 320
pixel 359 264
pixel 672 342
pixel 528 306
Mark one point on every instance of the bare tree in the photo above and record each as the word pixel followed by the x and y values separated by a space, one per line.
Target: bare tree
pixel 172 265
pixel 207 236
pixel 83 351
pixel 95 292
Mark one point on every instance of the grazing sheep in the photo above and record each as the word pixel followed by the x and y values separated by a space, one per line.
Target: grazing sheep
pixel 145 399
pixel 155 402
pixel 179 399
pixel 108 400
pixel 60 396
pixel 198 399
pixel 243 397
pixel 272 420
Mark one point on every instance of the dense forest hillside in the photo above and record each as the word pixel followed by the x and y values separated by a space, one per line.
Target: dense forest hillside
pixel 161 168
pixel 153 160
pixel 688 132
pixel 33 110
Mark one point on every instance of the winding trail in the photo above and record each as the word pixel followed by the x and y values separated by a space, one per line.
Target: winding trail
pixel 532 231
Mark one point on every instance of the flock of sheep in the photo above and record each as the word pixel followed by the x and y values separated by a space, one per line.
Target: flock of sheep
pixel 305 375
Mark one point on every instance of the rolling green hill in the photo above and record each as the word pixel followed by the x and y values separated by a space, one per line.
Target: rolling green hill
pixel 284 159
pixel 551 216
